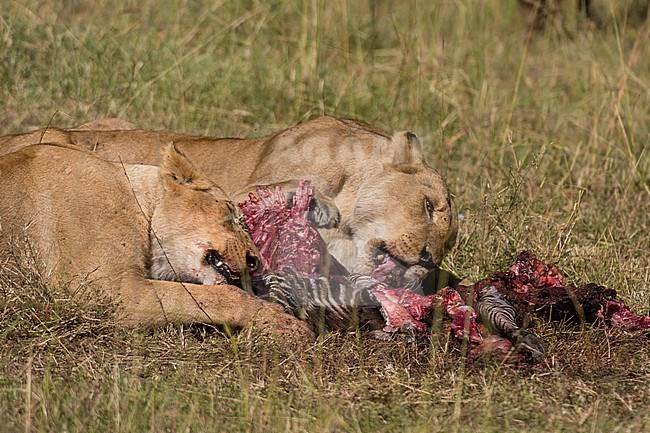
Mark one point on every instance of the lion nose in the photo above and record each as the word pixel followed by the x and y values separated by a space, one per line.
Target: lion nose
pixel 253 262
pixel 426 259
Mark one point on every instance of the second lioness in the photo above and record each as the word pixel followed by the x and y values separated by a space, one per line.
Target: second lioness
pixel 390 201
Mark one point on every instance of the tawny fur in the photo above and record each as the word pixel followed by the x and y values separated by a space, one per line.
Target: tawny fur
pixel 127 227
pixel 378 181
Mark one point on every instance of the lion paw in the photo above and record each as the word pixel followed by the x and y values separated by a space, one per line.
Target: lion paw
pixel 276 323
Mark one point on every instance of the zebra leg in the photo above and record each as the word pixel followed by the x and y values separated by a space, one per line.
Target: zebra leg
pixel 290 292
pixel 530 344
pixel 326 304
pixel 500 317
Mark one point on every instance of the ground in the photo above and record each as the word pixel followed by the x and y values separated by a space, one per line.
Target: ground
pixel 543 138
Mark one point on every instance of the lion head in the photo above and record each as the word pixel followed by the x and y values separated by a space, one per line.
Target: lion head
pixel 197 234
pixel 397 213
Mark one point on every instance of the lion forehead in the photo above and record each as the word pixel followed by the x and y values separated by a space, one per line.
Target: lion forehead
pixel 400 204
pixel 396 205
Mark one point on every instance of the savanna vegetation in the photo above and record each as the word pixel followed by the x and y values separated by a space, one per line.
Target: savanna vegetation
pixel 543 136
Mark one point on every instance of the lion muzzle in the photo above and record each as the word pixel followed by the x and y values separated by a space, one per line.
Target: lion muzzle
pixel 426 258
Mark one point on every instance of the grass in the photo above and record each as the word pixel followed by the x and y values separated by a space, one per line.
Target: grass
pixel 544 141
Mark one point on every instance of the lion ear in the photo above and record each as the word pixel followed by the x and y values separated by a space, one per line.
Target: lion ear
pixel 178 170
pixel 408 150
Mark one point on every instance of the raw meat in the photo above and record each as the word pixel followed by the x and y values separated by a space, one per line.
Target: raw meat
pixel 533 286
pixel 290 246
pixel 300 274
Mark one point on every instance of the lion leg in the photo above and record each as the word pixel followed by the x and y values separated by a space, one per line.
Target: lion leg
pixel 154 302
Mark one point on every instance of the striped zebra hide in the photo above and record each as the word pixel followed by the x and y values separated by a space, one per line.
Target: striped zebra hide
pixel 300 275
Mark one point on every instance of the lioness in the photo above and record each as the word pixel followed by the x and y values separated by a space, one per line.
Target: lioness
pixel 129 227
pixel 390 201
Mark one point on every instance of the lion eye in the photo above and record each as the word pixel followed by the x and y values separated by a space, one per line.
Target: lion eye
pixel 428 206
